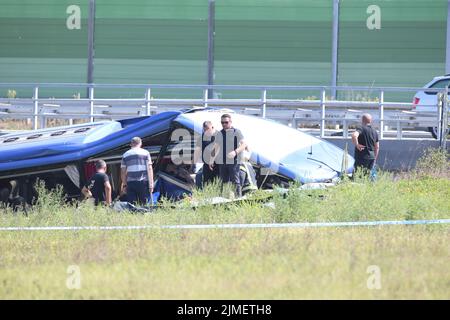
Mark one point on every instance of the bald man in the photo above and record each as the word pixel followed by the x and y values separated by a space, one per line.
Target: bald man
pixel 365 139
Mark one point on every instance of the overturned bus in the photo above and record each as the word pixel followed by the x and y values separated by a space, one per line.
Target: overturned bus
pixel 66 155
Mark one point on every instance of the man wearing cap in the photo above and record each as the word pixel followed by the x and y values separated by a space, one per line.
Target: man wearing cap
pixel 137 173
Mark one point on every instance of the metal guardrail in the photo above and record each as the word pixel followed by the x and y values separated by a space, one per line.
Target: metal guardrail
pixel 321 111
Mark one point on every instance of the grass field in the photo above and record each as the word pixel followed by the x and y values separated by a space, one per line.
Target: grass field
pixel 228 264
pixel 399 262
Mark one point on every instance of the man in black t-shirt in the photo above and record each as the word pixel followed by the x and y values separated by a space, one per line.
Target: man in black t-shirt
pixel 229 144
pixel 98 187
pixel 204 152
pixel 367 146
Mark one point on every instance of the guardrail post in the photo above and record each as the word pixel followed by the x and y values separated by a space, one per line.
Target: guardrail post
pixel 381 114
pixel 399 128
pixel 322 113
pixel 294 122
pixel 205 98
pixel 345 128
pixel 147 101
pixel 263 102
pixel 91 103
pixel 444 120
pixel 36 108
pixel 440 103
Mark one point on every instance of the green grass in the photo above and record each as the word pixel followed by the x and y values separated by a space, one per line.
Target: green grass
pixel 228 264
pixel 318 263
pixel 387 199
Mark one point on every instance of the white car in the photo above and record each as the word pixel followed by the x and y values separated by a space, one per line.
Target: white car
pixel 425 102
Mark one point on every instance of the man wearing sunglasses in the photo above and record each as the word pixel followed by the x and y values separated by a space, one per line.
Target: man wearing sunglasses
pixel 230 144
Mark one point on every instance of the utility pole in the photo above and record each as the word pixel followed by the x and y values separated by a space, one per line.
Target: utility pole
pixel 211 33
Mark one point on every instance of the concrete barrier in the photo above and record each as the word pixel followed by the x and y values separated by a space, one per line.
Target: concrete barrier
pixel 395 155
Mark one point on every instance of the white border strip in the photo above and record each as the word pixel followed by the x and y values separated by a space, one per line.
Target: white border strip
pixel 234 226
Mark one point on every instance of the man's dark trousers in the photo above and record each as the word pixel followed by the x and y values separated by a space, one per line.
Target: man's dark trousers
pixel 364 164
pixel 230 173
pixel 138 192
pixel 208 174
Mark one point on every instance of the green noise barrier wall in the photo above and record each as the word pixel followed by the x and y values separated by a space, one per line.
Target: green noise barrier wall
pixel 261 42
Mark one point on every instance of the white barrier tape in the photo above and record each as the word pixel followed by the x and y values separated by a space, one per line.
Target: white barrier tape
pixel 235 226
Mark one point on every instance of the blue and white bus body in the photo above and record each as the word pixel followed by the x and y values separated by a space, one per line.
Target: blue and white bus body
pixel 65 153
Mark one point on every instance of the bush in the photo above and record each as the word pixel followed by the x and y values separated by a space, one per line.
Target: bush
pixel 48 200
pixel 11 94
pixel 433 163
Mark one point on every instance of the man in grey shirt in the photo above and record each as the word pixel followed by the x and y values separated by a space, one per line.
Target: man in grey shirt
pixel 137 173
pixel 229 145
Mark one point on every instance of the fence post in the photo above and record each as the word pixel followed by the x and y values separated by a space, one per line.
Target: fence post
pixel 444 120
pixel 322 113
pixel 345 128
pixel 91 103
pixel 399 128
pixel 264 100
pixel 36 108
pixel 205 98
pixel 381 114
pixel 440 102
pixel 147 100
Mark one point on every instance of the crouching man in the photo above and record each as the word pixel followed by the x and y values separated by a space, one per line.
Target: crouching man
pixel 98 187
